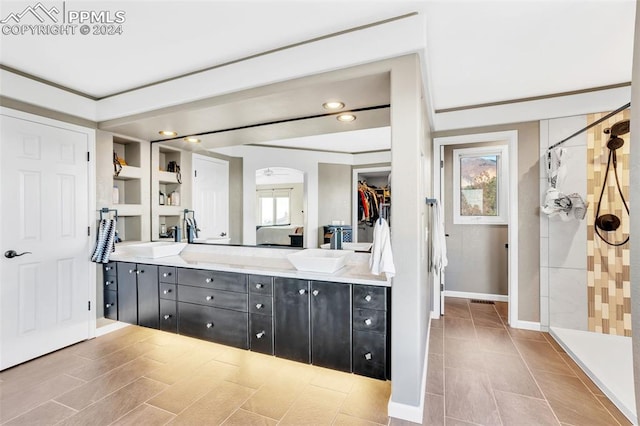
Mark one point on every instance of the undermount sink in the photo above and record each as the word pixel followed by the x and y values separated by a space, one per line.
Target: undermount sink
pixel 156 249
pixel 350 246
pixel 319 260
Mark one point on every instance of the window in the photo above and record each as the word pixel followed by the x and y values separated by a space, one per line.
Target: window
pixel 274 207
pixel 480 185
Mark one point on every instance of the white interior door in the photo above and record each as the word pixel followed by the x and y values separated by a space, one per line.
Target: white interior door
pixel 44 294
pixel 211 196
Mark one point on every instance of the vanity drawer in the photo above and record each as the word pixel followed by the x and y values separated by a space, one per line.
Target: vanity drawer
pixel 261 335
pixel 260 284
pixel 110 307
pixel 228 281
pixel 110 282
pixel 167 274
pixel 369 354
pixel 109 269
pixel 370 297
pixel 214 324
pixel 259 304
pixel 168 317
pixel 167 291
pixel 217 298
pixel 369 320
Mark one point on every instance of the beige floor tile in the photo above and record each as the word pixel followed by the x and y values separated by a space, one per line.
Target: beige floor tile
pixel 316 406
pixel 435 374
pixel 48 413
pixel 215 406
pixel 247 418
pixel 102 386
pixel 495 340
pixel 108 344
pixel 273 400
pixel 344 420
pixel 17 403
pixel 571 401
pixel 463 353
pixel 333 380
pixel 613 410
pixel 502 308
pixel 517 333
pixel 450 421
pixel 510 374
pixel 144 415
pixel 541 356
pixel 553 343
pixel 112 361
pixel 167 353
pixel 399 422
pixel 436 341
pixel 458 308
pixel 581 375
pixel 437 323
pixel 459 328
pixel 255 371
pixel 468 397
pixel 182 367
pixel 117 404
pixel 185 392
pixel 368 400
pixel 518 410
pixel 483 318
pixel 433 410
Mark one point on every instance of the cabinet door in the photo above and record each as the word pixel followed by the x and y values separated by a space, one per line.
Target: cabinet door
pixel 291 318
pixel 127 293
pixel 331 325
pixel 148 298
pixel 168 317
pixel 214 324
pixel 110 307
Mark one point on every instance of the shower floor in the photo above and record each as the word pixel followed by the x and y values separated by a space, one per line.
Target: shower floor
pixel 607 360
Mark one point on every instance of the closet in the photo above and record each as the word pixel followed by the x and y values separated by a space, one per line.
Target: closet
pixel 372 200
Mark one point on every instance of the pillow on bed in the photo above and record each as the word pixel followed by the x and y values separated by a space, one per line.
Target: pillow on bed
pixel 299 230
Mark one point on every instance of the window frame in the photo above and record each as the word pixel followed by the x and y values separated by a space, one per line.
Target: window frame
pixel 502 195
pixel 274 194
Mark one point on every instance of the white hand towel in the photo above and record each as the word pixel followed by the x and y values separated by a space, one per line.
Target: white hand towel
pixel 381 256
pixel 439 253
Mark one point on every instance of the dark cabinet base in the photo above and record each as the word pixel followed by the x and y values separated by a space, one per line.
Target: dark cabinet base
pixel 261 333
pixel 214 324
pixel 369 354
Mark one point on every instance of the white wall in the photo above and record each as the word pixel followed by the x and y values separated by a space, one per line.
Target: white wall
pixel 563 245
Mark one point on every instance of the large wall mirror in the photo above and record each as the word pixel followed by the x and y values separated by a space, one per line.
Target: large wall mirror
pixel 272 166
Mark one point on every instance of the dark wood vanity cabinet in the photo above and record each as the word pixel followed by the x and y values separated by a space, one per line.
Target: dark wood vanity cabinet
pixel 331 325
pixel 291 319
pixel 168 300
pixel 261 314
pixel 138 299
pixel 371 331
pixel 110 288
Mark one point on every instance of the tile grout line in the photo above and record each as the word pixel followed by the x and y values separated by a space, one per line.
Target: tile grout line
pixel 143 403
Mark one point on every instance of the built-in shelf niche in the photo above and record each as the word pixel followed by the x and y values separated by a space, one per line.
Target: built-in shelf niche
pixel 168 182
pixel 128 150
pixel 169 221
pixel 129 228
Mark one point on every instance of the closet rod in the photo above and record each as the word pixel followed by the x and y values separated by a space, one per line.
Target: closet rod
pixel 595 123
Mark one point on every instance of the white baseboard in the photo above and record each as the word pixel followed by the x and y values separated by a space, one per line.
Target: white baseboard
pixel 101 331
pixel 434 315
pixel 527 325
pixel 478 296
pixel 407 412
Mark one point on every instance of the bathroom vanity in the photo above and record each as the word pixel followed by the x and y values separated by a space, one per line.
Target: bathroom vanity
pixel 255 299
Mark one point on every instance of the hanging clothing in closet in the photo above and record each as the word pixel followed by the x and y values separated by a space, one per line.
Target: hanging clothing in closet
pixel 368 204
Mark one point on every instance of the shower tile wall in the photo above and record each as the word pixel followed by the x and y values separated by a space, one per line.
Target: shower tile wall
pixel 609 288
pixel 563 245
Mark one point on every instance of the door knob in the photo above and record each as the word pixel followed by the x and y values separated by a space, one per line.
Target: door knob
pixel 10 254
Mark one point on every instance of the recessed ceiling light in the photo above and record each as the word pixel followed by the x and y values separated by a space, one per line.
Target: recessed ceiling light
pixel 333 105
pixel 168 133
pixel 346 118
pixel 192 140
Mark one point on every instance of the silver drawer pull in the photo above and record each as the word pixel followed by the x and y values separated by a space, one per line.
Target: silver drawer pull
pixel 259 285
pixel 315 292
pixel 302 291
pixel 368 321
pixel 209 324
pixel 107 282
pixel 131 271
pixel 167 316
pixel 260 335
pixel 367 298
pixel 140 272
pixel 259 305
pixel 208 280
pixel 108 305
pixel 368 356
pixel 166 274
pixel 167 291
pixel 107 268
pixel 208 298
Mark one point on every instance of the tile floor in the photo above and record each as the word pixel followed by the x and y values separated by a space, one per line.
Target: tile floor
pixel 480 372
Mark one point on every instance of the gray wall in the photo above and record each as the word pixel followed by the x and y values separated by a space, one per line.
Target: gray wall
pixel 334 195
pixel 528 212
pixel 634 195
pixel 479 245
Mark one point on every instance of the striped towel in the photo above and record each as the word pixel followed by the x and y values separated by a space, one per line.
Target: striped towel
pixel 106 241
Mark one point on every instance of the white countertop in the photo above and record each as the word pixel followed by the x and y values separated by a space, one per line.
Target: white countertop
pixel 256 260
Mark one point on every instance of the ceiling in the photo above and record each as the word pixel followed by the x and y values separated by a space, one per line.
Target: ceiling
pixel 478 52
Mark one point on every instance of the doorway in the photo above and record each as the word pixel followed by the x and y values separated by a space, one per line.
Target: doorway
pixel 444 188
pixel 211 198
pixel 376 181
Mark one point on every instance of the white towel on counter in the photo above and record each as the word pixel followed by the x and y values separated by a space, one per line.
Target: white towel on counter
pixel 438 239
pixel 106 241
pixel 381 256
